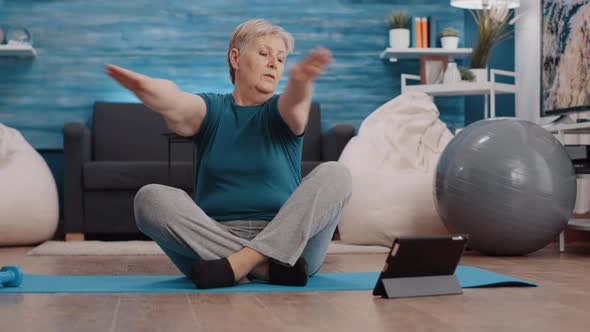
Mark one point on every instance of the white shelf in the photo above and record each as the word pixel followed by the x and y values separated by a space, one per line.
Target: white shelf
pixel 17 50
pixel 462 88
pixel 579 224
pixel 393 54
pixel 570 128
pixel 489 88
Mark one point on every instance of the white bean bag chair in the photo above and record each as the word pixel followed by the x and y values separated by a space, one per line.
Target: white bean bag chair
pixel 29 207
pixel 392 161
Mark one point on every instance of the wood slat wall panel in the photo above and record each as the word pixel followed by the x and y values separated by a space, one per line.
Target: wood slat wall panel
pixel 186 42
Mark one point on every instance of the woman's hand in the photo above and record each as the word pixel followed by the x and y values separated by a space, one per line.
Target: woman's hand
pixel 157 94
pixel 312 66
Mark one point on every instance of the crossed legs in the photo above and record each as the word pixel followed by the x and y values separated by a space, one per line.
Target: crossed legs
pixel 295 240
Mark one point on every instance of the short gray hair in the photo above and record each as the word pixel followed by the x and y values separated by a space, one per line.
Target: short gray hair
pixel 249 31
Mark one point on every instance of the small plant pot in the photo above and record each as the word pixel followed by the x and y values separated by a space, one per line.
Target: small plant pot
pixel 480 74
pixel 399 38
pixel 449 42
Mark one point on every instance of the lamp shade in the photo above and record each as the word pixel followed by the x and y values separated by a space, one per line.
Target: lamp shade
pixel 484 4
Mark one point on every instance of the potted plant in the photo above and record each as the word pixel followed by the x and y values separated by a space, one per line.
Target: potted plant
pixel 466 74
pixel 492 28
pixel 399 29
pixel 449 38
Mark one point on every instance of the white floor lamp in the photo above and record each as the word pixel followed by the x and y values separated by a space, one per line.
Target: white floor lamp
pixel 484 4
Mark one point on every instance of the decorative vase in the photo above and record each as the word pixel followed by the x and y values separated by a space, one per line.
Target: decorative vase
pixel 19 35
pixel 452 74
pixel 449 42
pixel 480 74
pixel 399 38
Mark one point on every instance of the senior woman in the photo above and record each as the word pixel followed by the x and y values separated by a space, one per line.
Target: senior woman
pixel 252 215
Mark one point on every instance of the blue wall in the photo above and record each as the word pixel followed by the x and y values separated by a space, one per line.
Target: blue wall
pixel 186 41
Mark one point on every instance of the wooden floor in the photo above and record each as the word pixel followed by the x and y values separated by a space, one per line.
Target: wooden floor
pixel 561 303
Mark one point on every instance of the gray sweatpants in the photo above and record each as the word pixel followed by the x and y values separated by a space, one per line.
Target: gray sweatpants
pixel 303 226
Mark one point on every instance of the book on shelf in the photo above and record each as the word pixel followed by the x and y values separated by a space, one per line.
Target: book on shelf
pixel 424 29
pixel 418 35
pixel 419 32
pixel 432 33
pixel 412 33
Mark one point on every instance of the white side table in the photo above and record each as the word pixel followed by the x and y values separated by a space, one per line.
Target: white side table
pixel 560 130
pixel 488 89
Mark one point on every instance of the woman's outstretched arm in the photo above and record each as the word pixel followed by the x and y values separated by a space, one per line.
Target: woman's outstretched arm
pixel 183 112
pixel 295 101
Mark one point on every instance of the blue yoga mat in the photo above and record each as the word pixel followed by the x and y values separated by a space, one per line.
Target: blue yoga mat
pixel 36 283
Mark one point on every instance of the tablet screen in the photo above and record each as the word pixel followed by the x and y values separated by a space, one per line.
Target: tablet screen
pixel 422 256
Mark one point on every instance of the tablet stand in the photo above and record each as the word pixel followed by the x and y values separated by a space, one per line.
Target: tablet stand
pixel 421 286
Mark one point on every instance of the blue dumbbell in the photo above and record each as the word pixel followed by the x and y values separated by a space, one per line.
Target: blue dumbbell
pixel 10 276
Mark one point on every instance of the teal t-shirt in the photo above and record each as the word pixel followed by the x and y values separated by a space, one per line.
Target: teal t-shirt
pixel 249 160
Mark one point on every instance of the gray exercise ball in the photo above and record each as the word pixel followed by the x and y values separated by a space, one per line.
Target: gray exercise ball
pixel 506 182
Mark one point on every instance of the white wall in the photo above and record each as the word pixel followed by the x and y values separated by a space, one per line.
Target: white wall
pixel 527 49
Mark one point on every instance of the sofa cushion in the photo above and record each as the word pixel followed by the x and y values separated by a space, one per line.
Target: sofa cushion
pixel 308 166
pixel 131 131
pixel 312 139
pixel 120 175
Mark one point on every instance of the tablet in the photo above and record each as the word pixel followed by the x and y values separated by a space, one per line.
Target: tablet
pixel 422 256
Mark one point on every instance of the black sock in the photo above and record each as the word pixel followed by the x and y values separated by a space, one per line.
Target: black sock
pixel 212 274
pixel 279 274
